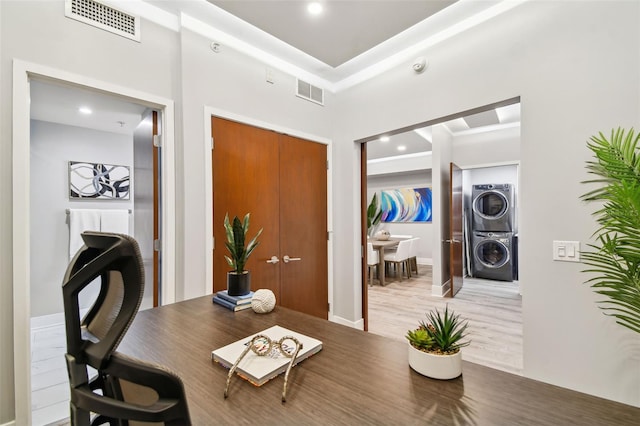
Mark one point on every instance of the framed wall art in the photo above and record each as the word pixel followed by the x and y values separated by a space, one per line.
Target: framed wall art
pixel 406 205
pixel 98 181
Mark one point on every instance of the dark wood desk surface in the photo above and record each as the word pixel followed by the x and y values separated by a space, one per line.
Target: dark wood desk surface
pixel 357 378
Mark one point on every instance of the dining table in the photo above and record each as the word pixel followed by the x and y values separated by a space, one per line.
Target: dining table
pixel 381 245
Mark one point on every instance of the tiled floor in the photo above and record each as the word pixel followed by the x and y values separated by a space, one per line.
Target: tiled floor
pixel 49 383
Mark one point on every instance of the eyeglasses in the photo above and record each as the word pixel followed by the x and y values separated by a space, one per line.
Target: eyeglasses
pixel 262 345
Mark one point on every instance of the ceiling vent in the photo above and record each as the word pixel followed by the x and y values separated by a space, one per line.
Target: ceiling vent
pixel 104 17
pixel 309 92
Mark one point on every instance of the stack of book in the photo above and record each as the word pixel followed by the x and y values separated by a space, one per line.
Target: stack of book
pixel 235 303
pixel 260 369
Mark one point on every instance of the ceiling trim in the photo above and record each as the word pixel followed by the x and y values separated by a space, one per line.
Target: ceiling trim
pixel 456 19
pixel 227 40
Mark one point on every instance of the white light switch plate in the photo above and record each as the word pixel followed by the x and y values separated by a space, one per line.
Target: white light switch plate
pixel 566 251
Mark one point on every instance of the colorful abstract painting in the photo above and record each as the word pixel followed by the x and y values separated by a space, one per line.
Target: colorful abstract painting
pixel 98 181
pixel 406 205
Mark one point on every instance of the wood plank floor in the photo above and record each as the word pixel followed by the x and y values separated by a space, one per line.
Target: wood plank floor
pixel 493 308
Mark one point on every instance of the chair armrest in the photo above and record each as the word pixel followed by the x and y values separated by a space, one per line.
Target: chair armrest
pixel 171 404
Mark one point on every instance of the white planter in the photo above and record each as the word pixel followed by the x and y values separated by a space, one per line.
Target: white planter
pixel 442 367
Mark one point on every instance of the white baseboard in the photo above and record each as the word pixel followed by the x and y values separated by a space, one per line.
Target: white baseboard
pixel 11 423
pixel 424 261
pixel 440 290
pixel 353 324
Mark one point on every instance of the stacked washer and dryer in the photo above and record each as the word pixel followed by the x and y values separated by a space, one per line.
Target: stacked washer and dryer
pixel 493 237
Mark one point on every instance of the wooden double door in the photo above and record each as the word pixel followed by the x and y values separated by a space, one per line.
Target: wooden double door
pixel 282 181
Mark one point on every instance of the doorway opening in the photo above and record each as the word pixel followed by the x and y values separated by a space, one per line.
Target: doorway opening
pixel 484 152
pixel 31 134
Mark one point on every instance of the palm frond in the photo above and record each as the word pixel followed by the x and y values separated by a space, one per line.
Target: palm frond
pixel 614 261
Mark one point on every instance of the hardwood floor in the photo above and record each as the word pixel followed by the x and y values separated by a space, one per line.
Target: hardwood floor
pixel 493 308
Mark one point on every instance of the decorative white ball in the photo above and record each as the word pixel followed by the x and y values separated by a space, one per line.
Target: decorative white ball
pixel 263 301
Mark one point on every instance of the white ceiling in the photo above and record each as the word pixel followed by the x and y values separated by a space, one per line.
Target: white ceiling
pixel 353 40
pixel 419 140
pixel 344 30
pixel 347 40
pixel 59 103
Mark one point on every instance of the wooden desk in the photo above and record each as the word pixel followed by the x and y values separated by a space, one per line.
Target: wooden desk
pixel 380 245
pixel 357 378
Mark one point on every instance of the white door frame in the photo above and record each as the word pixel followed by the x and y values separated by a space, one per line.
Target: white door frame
pixel 215 112
pixel 22 72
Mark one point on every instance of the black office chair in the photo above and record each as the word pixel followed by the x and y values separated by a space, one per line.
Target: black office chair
pixel 124 389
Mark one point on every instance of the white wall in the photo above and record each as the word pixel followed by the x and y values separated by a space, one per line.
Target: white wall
pixel 38 32
pixel 475 149
pixel 399 164
pixel 557 57
pixel 233 84
pixel 422 230
pixel 52 147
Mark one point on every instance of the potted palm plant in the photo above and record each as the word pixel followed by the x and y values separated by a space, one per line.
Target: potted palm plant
pixel 614 261
pixel 239 279
pixel 434 347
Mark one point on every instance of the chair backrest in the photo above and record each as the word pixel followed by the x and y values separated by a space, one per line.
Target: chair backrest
pixel 403 250
pixel 115 260
pixel 413 251
pixel 401 237
pixel 372 255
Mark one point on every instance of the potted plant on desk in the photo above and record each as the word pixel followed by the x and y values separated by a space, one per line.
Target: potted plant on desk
pixel 239 279
pixel 434 347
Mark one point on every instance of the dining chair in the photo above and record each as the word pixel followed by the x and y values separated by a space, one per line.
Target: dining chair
pixel 400 258
pixel 373 261
pixel 400 237
pixel 413 254
pixel 123 388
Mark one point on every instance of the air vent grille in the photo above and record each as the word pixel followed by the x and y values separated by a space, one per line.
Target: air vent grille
pixel 310 92
pixel 105 17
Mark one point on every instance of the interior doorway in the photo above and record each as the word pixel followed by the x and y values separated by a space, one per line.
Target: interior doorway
pixel 23 209
pixel 470 148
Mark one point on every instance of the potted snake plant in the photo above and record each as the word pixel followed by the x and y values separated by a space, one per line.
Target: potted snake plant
pixel 434 347
pixel 239 279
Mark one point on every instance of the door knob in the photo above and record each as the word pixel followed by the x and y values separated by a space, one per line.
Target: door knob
pixel 274 260
pixel 288 259
pixel 451 241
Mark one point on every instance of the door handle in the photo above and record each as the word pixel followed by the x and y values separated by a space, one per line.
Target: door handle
pixel 274 260
pixel 288 259
pixel 452 241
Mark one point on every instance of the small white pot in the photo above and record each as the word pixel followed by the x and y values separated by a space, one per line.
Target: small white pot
pixel 442 367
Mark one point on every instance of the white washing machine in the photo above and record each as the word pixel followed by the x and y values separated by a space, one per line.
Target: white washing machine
pixel 493 207
pixel 493 255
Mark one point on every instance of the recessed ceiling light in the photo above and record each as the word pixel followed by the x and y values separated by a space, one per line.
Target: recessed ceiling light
pixel 314 8
pixel 402 148
pixel 85 110
pixel 384 138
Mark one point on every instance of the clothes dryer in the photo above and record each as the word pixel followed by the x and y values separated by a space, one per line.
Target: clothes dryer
pixel 493 255
pixel 493 207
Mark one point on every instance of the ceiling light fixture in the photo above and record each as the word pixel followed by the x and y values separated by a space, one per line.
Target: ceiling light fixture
pixel 314 8
pixel 85 110
pixel 402 148
pixel 384 138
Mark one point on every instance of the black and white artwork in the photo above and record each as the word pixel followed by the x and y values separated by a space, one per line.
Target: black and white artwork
pixel 98 181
